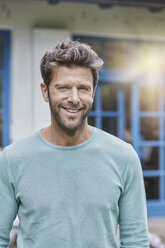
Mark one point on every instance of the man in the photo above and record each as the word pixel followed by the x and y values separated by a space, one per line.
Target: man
pixel 72 184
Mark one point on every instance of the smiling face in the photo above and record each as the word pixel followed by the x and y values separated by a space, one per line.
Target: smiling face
pixel 70 96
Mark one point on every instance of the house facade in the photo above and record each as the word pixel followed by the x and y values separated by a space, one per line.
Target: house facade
pixel 130 98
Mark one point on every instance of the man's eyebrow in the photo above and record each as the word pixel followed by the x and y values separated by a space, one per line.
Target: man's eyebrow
pixel 86 84
pixel 61 84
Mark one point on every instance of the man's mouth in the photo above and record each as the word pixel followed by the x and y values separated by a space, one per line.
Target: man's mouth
pixel 72 110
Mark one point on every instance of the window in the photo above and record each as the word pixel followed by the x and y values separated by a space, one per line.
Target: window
pixel 150 141
pixel 132 110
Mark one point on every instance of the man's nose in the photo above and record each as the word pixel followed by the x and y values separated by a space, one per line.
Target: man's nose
pixel 74 96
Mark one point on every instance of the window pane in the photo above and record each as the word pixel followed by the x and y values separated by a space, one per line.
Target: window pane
pixel 149 99
pixel 164 130
pixel 1 92
pixel 148 56
pixel 109 124
pixel 149 128
pixel 91 121
pixel 164 186
pixel 109 97
pixel 0 132
pixel 164 99
pixel 1 52
pixel 95 44
pixel 94 104
pixel 150 158
pixel 152 187
pixel 164 157
pixel 116 55
pixel 163 55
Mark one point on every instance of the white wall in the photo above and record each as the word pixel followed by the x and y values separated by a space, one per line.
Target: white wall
pixel 28 111
pixel 43 40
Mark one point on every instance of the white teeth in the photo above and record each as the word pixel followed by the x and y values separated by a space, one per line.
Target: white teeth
pixel 72 111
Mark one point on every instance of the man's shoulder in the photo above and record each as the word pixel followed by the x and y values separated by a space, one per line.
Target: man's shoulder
pixel 23 145
pixel 110 140
pixel 113 146
pixel 121 152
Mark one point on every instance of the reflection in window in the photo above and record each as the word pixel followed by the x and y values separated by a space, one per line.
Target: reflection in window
pixel 164 161
pixel 0 91
pixel 149 99
pixel 0 132
pixel 152 187
pixel 164 130
pixel 162 47
pixel 116 56
pixel 91 121
pixel 1 53
pixel 148 56
pixel 94 105
pixel 164 99
pixel 109 97
pixel 150 158
pixel 109 124
pixel 149 128
pixel 95 44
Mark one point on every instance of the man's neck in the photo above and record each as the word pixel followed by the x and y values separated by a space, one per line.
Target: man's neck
pixel 58 136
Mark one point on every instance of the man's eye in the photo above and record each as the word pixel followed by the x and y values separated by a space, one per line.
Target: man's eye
pixel 84 89
pixel 62 88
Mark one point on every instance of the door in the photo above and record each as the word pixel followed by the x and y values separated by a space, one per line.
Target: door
pixel 134 111
pixel 148 131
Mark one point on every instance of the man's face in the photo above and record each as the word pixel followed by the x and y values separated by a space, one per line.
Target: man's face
pixel 70 96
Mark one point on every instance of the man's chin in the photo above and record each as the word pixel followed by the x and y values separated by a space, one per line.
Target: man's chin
pixel 72 127
pixel 69 124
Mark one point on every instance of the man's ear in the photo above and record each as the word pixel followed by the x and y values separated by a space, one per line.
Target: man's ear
pixel 44 91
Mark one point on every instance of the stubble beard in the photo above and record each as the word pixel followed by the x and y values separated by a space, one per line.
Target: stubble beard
pixel 62 123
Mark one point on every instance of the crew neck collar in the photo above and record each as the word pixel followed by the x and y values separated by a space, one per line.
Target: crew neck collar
pixel 68 147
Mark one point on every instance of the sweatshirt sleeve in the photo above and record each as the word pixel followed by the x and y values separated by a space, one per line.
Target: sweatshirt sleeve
pixel 132 204
pixel 8 203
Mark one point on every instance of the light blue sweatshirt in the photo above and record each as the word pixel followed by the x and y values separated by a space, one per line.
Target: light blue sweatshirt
pixel 73 196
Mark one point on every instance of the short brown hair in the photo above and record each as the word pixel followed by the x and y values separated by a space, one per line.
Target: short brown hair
pixel 70 53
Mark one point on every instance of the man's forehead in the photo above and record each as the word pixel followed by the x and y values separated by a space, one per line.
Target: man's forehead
pixel 71 67
pixel 75 71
